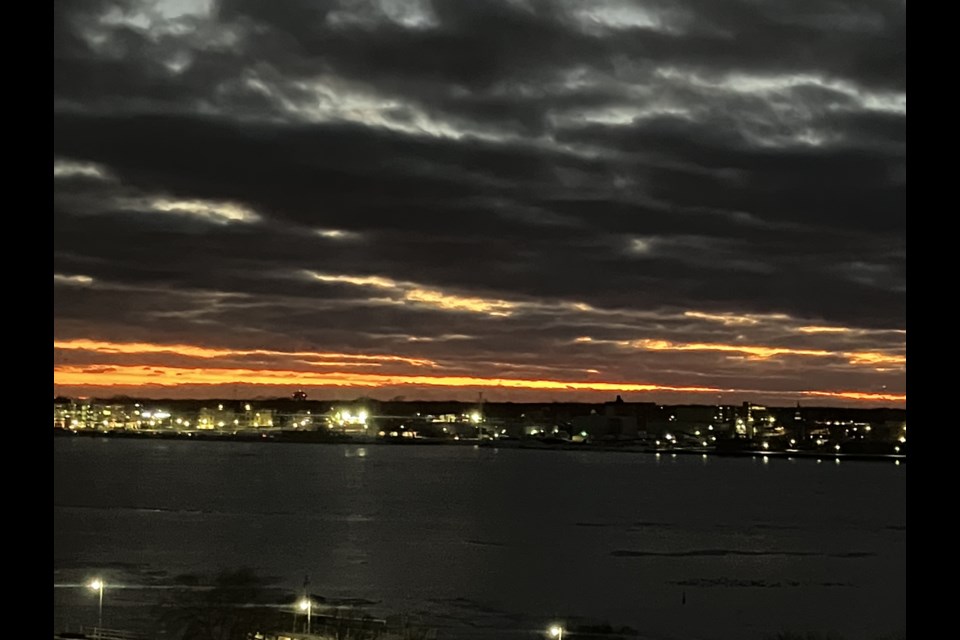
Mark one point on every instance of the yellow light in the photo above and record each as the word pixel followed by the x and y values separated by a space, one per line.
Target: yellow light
pixel 96 584
pixel 555 631
pixel 475 416
pixel 304 604
pixel 766 445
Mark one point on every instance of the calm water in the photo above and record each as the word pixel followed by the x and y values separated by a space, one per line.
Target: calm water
pixel 494 543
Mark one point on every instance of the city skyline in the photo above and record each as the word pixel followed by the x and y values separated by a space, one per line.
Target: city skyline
pixel 538 201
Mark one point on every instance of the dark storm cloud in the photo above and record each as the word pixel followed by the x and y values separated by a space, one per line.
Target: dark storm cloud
pixel 517 174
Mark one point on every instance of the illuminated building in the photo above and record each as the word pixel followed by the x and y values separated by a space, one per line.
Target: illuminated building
pixel 349 420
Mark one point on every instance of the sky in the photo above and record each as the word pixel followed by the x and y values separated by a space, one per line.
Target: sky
pixel 683 201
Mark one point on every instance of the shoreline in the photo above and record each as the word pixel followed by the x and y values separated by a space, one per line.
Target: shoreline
pixel 316 437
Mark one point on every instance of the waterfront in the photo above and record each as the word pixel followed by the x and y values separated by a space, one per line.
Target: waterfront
pixel 490 542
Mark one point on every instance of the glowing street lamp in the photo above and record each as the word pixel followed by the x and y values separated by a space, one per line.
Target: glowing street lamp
pixel 97 585
pixel 555 631
pixel 306 604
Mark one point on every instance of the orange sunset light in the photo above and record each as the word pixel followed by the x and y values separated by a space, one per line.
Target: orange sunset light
pixel 136 375
pixel 99 346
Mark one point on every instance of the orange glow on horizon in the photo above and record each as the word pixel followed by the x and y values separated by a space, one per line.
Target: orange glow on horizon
pixel 136 375
pixel 194 351
pixel 113 375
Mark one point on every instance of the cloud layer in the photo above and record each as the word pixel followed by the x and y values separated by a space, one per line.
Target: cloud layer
pixel 670 195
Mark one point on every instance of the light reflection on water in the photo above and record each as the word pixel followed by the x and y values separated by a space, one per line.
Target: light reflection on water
pixel 497 540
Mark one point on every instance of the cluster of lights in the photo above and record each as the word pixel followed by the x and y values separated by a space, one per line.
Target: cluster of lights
pixel 348 418
pixel 398 434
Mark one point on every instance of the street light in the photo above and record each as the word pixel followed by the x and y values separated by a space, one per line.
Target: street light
pixel 556 631
pixel 97 585
pixel 306 604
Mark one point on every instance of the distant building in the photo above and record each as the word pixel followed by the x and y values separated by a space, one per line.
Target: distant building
pixel 299 420
pixel 220 417
pixel 618 420
pixel 756 421
pixel 350 420
pixel 255 417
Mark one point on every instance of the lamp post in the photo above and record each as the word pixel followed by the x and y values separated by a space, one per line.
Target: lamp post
pixel 97 585
pixel 555 631
pixel 307 605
